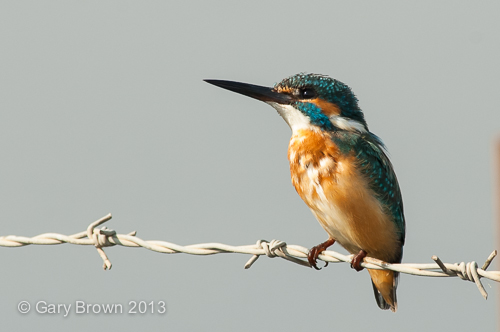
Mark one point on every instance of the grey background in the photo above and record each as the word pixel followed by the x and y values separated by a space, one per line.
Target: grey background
pixel 103 109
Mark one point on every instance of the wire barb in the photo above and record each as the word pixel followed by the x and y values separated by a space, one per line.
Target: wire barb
pixel 105 237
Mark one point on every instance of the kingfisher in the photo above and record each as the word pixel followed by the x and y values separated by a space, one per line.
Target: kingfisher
pixel 341 171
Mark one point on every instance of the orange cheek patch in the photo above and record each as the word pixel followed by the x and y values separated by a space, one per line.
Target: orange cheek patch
pixel 326 107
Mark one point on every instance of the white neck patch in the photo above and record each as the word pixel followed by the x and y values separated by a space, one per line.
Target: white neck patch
pixel 347 124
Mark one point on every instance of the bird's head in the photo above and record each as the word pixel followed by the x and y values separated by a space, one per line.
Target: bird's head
pixel 308 101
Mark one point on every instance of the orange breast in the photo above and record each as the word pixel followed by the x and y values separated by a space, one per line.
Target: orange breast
pixel 339 196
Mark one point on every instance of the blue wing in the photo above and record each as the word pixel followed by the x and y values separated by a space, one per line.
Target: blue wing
pixel 377 167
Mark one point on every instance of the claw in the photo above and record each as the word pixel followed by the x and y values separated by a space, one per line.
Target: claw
pixel 315 251
pixel 356 261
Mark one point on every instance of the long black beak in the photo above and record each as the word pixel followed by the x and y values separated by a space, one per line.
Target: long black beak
pixel 254 91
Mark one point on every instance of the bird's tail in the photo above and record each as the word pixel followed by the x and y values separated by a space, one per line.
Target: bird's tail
pixel 384 286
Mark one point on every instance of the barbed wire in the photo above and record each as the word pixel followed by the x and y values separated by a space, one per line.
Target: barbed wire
pixel 105 237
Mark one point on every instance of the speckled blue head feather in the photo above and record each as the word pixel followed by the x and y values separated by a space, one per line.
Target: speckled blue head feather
pixel 328 89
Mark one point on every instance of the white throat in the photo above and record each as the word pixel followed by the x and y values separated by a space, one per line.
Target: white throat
pixel 293 117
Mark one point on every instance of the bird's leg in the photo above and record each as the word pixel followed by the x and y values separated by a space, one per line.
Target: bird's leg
pixel 356 260
pixel 313 254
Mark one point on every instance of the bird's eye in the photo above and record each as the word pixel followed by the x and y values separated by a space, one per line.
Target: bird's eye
pixel 306 93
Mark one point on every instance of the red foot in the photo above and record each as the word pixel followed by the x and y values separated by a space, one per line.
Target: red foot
pixel 356 261
pixel 313 254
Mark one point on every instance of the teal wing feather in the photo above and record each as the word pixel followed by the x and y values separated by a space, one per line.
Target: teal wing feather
pixel 378 168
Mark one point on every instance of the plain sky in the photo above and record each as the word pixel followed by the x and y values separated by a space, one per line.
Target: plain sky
pixel 103 109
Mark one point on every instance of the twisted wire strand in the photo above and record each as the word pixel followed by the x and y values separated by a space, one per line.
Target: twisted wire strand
pixel 104 237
